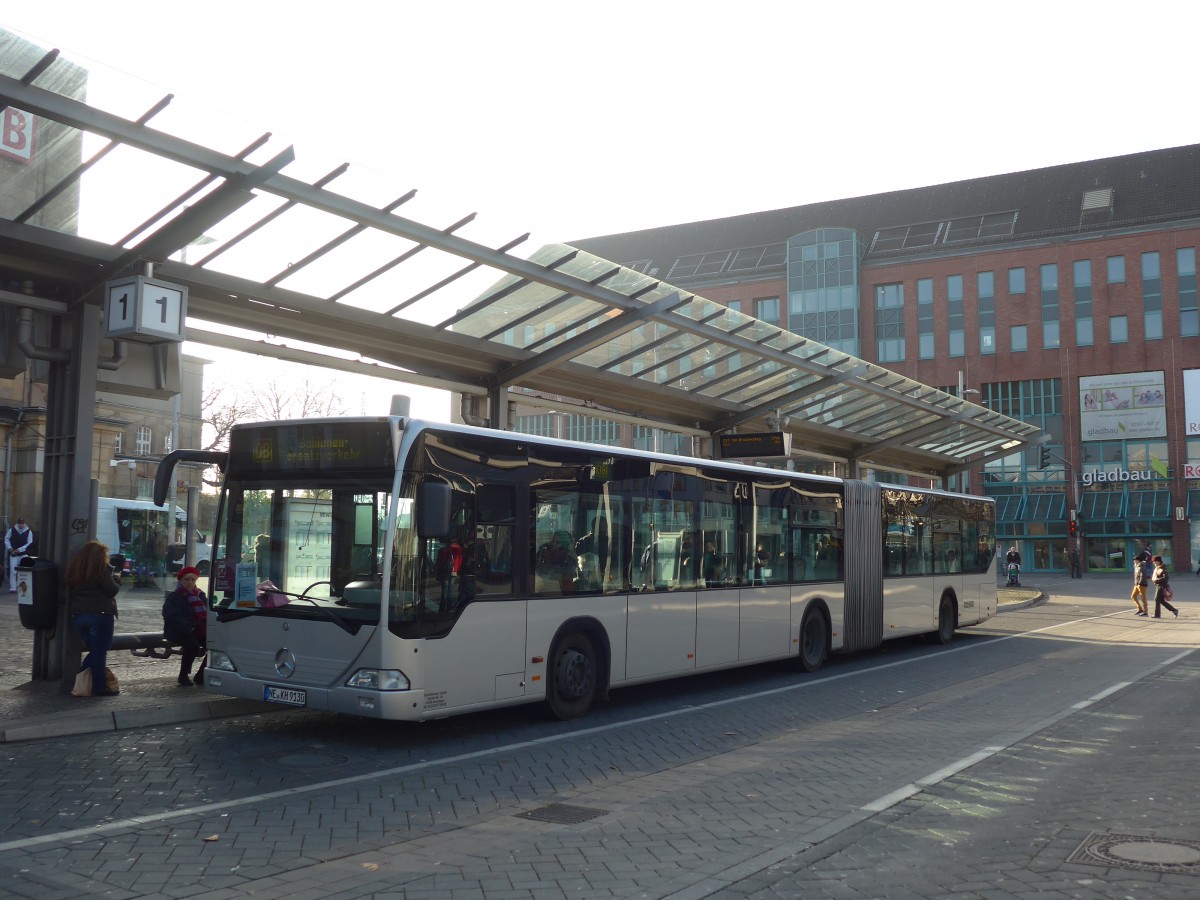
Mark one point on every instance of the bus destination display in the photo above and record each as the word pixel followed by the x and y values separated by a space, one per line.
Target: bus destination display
pixel 358 445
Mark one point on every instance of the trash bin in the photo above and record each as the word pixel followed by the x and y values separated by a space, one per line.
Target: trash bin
pixel 37 592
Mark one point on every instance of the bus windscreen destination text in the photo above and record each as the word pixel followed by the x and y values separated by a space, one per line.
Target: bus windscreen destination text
pixel 283 448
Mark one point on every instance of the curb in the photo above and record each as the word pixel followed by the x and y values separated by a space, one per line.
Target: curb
pixel 125 719
pixel 1021 604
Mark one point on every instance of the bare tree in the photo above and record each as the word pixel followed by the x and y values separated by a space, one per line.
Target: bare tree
pixel 224 406
pixel 297 400
pixel 221 408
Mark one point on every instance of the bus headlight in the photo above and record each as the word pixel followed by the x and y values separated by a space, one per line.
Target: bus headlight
pixel 220 661
pixel 379 680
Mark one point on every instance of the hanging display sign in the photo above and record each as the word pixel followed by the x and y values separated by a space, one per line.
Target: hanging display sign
pixel 145 309
pixel 767 443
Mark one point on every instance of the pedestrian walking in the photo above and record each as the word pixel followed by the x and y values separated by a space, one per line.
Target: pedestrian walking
pixel 1138 596
pixel 185 622
pixel 1075 571
pixel 18 543
pixel 92 587
pixel 1162 596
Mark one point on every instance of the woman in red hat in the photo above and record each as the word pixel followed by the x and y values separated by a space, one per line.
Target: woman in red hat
pixel 185 622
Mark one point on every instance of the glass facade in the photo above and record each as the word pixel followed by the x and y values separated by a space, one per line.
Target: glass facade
pixel 822 284
pixel 1031 502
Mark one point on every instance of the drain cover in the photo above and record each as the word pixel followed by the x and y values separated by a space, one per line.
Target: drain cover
pixel 307 759
pixel 1139 852
pixel 562 814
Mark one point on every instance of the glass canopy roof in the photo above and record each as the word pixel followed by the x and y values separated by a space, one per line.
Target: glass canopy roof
pixel 339 269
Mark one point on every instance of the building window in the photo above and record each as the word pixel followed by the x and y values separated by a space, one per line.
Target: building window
pixel 1016 281
pixel 591 430
pixel 1084 336
pixel 145 488
pixel 735 305
pixel 985 284
pixel 1118 330
pixel 1152 297
pixel 168 440
pixel 889 322
pixel 823 290
pixel 118 439
pixel 1189 314
pixel 144 440
pixel 767 309
pixel 1019 338
pixel 925 318
pixel 1050 328
pixel 954 314
pixel 1116 270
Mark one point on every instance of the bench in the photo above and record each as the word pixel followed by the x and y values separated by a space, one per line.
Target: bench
pixel 149 644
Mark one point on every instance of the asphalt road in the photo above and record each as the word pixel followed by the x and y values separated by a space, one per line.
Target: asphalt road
pixel 973 770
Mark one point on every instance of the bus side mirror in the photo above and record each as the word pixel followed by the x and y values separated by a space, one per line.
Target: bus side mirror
pixel 433 509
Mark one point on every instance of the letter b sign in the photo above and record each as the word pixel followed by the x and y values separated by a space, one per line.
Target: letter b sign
pixel 16 134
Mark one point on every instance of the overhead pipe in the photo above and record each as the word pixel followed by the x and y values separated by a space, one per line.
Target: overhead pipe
pixel 466 409
pixel 49 354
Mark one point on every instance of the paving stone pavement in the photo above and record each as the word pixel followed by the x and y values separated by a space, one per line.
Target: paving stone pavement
pixel 678 800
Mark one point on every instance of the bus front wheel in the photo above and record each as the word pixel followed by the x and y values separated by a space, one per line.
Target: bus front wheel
pixel 814 641
pixel 573 673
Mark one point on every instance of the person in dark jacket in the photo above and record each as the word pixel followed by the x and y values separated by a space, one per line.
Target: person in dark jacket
pixel 185 622
pixel 1162 583
pixel 92 587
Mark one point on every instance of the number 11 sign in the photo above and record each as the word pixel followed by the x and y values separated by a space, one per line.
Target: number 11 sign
pixel 145 309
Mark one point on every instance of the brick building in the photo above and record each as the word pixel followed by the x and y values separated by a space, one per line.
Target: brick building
pixel 1064 296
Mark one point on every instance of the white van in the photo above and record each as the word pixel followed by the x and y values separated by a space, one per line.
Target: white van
pixel 143 534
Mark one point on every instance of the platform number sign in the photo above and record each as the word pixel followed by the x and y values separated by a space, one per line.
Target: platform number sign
pixel 145 309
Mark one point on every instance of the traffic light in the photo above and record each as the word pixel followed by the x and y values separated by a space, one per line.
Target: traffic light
pixel 1043 457
pixel 1071 523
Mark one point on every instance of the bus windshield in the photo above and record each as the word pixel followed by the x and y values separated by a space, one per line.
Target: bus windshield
pixel 321 542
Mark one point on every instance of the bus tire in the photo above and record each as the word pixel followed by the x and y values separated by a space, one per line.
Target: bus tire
pixel 573 675
pixel 947 622
pixel 814 640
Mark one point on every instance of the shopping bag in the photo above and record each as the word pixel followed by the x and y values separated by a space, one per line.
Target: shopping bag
pixel 83 684
pixel 270 596
pixel 111 680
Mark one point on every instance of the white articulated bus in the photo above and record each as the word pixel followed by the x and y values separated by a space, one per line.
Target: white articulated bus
pixel 425 570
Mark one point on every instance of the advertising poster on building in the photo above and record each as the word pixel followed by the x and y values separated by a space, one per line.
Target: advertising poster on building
pixel 1123 407
pixel 1191 404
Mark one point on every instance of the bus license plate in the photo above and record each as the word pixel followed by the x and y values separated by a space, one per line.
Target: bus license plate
pixel 286 696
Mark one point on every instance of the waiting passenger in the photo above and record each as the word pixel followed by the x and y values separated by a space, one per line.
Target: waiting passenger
pixel 712 566
pixel 555 566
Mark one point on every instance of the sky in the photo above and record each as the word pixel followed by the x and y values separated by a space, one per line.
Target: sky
pixel 571 120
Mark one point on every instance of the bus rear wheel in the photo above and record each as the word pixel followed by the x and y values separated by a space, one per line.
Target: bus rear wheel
pixel 947 623
pixel 814 641
pixel 573 673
